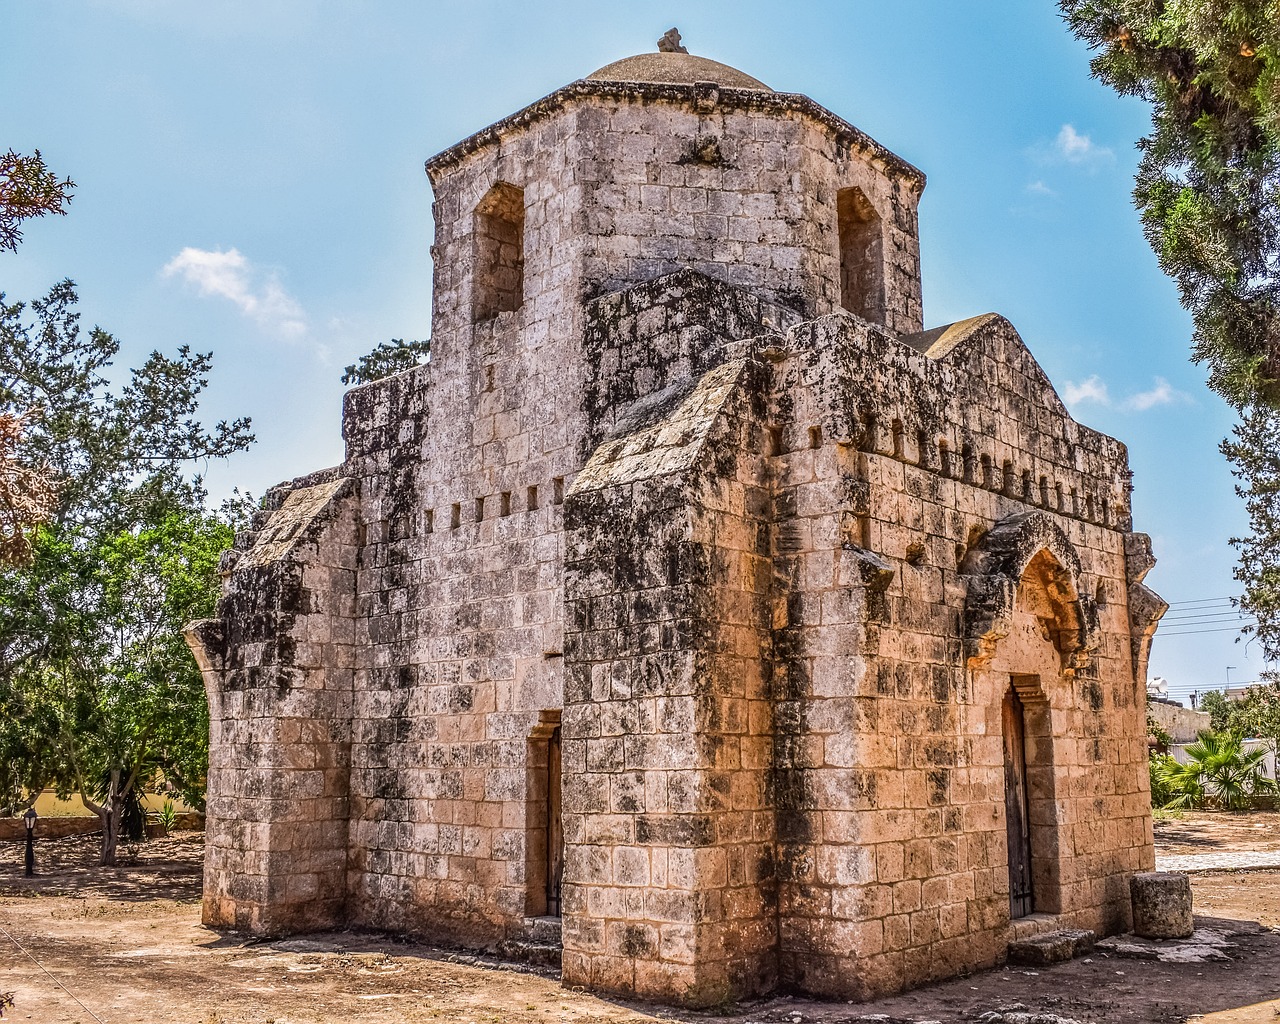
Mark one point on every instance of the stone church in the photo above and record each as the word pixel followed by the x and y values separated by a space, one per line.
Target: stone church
pixel 694 606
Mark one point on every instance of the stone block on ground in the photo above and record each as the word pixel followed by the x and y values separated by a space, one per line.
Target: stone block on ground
pixel 1161 905
pixel 1052 947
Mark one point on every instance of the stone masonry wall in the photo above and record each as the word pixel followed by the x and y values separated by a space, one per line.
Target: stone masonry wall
pixel 893 864
pixel 667 712
pixel 277 666
pixel 624 184
pixel 461 643
pixel 771 568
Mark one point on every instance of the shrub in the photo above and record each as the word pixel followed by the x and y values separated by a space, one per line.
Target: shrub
pixel 1218 773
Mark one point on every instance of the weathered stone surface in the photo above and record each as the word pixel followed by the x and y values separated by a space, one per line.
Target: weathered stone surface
pixel 689 555
pixel 1052 947
pixel 1161 904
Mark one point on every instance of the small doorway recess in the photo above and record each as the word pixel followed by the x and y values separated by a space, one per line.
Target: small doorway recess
pixel 544 831
pixel 1017 806
pixel 555 832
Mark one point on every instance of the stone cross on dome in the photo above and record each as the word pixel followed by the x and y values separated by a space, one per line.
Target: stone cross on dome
pixel 670 42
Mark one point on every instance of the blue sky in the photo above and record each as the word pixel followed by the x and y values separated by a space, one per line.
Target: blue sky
pixel 250 182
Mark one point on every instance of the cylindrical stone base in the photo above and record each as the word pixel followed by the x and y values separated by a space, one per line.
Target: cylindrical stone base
pixel 1161 904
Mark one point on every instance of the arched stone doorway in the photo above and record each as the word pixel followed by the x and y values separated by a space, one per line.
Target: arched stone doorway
pixel 1028 636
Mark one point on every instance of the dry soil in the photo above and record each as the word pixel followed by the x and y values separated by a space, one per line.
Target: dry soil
pixel 85 944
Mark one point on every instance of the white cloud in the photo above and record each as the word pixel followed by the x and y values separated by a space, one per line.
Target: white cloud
pixel 229 275
pixel 1094 389
pixel 1039 188
pixel 1162 394
pixel 1069 147
pixel 1090 390
pixel 1075 148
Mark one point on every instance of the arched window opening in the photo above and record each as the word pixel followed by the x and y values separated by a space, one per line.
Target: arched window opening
pixel 861 255
pixel 498 268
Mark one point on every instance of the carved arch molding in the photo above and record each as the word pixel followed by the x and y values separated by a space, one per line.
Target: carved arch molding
pixel 997 567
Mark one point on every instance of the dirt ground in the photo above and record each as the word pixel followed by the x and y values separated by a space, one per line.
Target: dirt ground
pixel 83 944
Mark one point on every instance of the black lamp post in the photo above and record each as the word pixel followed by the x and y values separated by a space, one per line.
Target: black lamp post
pixel 30 819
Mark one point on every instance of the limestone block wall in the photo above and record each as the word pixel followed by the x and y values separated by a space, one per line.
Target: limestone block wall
pixel 667 720
pixel 626 182
pixel 463 465
pixel 460 652
pixel 780 574
pixel 647 346
pixel 893 863
pixel 277 667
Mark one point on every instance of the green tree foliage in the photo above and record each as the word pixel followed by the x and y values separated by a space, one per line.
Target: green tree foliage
pixel 388 358
pixel 97 690
pixel 1208 186
pixel 1208 192
pixel 121 694
pixel 1257 713
pixel 1254 452
pixel 1162 792
pixel 28 189
pixel 1219 773
pixel 1215 704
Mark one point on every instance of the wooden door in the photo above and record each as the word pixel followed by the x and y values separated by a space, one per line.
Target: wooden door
pixel 555 833
pixel 1017 818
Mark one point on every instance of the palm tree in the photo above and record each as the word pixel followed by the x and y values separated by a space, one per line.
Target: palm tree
pixel 1219 772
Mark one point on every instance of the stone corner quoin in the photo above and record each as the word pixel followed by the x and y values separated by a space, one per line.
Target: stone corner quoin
pixel 693 599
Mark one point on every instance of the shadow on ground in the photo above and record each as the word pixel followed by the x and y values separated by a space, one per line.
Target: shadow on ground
pixel 171 868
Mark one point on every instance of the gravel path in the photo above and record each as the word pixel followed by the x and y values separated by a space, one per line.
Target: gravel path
pixel 1193 863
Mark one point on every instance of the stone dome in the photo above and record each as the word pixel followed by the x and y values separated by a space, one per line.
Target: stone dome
pixel 675 69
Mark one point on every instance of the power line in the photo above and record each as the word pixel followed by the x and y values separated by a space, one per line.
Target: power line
pixel 1206 621
pixel 51 977
pixel 1207 613
pixel 1193 632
